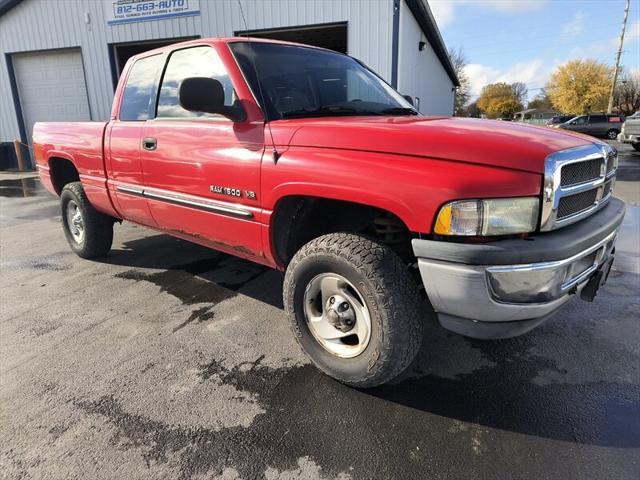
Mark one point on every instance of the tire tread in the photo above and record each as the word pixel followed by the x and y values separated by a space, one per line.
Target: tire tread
pixel 97 226
pixel 396 295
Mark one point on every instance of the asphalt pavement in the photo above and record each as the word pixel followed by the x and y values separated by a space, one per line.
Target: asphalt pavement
pixel 169 360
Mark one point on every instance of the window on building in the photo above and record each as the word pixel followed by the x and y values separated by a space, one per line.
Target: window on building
pixel 139 88
pixel 191 62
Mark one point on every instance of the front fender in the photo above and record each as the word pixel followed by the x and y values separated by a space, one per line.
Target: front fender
pixel 412 188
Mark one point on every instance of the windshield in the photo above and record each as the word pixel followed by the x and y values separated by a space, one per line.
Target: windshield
pixel 307 82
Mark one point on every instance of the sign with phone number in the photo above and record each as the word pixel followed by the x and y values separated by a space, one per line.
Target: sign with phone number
pixel 129 11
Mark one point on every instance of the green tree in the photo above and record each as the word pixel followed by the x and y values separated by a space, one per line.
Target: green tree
pixel 498 100
pixel 580 86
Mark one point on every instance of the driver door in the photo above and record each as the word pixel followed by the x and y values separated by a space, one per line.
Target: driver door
pixel 202 171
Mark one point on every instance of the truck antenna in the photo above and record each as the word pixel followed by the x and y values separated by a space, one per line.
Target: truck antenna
pixel 276 154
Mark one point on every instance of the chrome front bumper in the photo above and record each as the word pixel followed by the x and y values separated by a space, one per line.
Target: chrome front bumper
pixel 544 282
pixel 494 299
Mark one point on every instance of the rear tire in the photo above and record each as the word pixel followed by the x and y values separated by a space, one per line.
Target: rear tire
pixel 374 282
pixel 89 232
pixel 636 146
pixel 612 134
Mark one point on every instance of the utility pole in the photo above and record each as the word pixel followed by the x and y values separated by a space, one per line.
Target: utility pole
pixel 617 68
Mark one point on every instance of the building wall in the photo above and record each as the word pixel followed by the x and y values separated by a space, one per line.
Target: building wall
pixel 420 73
pixel 45 24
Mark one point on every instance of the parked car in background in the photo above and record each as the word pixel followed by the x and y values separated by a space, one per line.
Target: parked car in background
pixel 630 132
pixel 558 119
pixel 535 116
pixel 597 125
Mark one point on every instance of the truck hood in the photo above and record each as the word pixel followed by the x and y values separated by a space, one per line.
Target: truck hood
pixel 487 142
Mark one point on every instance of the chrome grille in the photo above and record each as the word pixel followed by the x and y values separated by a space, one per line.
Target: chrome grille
pixel 578 182
pixel 576 203
pixel 580 172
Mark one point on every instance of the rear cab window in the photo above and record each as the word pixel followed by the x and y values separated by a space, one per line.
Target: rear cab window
pixel 140 88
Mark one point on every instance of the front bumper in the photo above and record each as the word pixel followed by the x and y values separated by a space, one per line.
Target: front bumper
pixel 628 138
pixel 505 288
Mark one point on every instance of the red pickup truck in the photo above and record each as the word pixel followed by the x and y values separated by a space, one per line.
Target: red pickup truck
pixel 305 160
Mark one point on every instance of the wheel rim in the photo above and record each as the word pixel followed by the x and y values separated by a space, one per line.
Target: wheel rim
pixel 75 222
pixel 612 134
pixel 337 315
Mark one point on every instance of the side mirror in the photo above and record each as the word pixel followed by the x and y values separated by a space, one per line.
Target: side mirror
pixel 574 123
pixel 409 99
pixel 202 94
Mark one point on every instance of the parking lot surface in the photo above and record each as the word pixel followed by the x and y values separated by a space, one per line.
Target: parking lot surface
pixel 168 360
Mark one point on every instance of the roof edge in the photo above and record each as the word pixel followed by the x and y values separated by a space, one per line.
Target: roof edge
pixel 6 5
pixel 422 13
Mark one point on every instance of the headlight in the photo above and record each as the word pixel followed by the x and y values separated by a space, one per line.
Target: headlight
pixel 498 216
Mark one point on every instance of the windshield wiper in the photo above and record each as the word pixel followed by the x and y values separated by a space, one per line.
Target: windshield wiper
pixel 400 111
pixel 327 110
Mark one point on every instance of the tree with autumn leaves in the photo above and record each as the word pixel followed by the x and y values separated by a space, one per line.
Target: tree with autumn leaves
pixel 501 99
pixel 580 86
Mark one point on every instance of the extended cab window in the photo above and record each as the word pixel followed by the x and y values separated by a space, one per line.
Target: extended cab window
pixel 139 88
pixel 191 62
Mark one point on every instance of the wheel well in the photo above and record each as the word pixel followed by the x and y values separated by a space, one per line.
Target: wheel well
pixel 62 171
pixel 299 219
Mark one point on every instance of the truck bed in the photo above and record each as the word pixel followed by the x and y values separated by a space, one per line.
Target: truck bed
pixel 81 143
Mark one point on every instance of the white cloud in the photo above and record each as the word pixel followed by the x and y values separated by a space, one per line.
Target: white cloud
pixel 512 6
pixel 633 32
pixel 533 73
pixel 480 75
pixel 576 26
pixel 444 10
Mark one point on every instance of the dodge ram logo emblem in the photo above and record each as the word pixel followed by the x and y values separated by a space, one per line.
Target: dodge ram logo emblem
pixel 231 192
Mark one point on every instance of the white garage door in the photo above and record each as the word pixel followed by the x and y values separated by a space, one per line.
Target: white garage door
pixel 51 87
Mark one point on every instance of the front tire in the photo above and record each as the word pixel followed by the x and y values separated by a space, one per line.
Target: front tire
pixel 612 134
pixel 354 309
pixel 88 232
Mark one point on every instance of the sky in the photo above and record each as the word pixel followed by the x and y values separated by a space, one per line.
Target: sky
pixel 526 40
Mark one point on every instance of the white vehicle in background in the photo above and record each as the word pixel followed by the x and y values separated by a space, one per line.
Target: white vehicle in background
pixel 630 132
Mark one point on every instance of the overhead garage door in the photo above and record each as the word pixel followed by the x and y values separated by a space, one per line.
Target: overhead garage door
pixel 51 87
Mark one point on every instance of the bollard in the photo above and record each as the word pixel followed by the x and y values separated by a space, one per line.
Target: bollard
pixel 16 144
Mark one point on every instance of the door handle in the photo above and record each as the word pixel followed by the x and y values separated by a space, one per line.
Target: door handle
pixel 149 143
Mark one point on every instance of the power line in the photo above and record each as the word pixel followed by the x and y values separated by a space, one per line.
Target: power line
pixel 549 29
pixel 506 94
pixel 517 50
pixel 559 34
